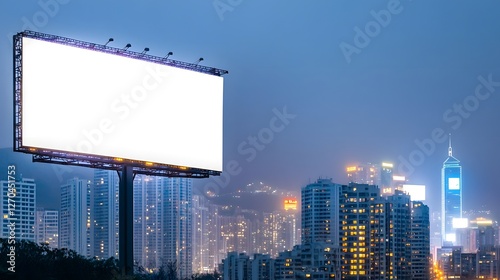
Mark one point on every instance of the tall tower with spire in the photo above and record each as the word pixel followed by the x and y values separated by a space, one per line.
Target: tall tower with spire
pixel 451 196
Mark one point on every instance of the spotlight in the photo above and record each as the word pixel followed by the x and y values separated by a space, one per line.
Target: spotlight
pixel 127 46
pixel 199 60
pixel 145 50
pixel 109 41
pixel 168 54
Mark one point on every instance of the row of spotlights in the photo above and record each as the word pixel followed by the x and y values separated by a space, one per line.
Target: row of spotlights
pixel 147 50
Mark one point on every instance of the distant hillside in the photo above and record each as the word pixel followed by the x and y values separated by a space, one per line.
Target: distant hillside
pixel 262 202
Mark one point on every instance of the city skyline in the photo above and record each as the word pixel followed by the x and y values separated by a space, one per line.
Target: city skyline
pixel 55 175
pixel 397 98
pixel 360 209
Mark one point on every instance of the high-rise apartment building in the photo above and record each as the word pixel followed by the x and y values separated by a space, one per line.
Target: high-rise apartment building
pixel 378 237
pixel 374 174
pixel 363 232
pixel 236 233
pixel 178 223
pixel 420 241
pixel 206 235
pixel 163 223
pixel 105 214
pixel 47 227
pixel 75 226
pixel 398 235
pixel 386 184
pixel 366 173
pixel 320 212
pixel 23 206
pixel 451 196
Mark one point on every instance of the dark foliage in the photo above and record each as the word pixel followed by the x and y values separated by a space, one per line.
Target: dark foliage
pixel 33 261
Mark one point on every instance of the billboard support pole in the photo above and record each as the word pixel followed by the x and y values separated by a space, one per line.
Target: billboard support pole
pixel 125 222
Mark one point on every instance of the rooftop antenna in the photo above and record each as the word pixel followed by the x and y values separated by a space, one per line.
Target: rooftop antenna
pixel 450 150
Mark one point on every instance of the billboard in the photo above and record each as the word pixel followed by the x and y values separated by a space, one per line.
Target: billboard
pixel 290 204
pixel 460 223
pixel 416 192
pixel 454 183
pixel 80 100
pixel 398 178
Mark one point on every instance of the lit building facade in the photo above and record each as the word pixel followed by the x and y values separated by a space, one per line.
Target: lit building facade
pixel 206 235
pixel 420 241
pixel 320 212
pixel 451 197
pixel 47 227
pixel 75 229
pixel 163 223
pixel 380 235
pixel 363 174
pixel 236 234
pixel 25 209
pixel 386 184
pixel 363 232
pixel 398 235
pixel 381 175
pixel 105 214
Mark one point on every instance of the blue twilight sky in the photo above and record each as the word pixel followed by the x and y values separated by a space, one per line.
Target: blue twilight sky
pixel 363 87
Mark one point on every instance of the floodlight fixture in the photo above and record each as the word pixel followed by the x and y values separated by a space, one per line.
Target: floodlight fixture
pixel 109 41
pixel 145 51
pixel 199 60
pixel 127 46
pixel 168 54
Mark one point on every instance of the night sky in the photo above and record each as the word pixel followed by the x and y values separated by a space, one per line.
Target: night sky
pixel 354 82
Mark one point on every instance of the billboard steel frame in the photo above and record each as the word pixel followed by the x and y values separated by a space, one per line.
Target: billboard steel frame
pixel 126 168
pixel 88 160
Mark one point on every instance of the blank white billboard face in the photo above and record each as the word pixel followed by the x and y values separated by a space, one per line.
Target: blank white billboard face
pixel 454 183
pixel 460 222
pixel 83 101
pixel 416 192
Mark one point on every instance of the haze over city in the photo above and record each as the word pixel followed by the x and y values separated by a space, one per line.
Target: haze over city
pixel 314 90
pixel 355 98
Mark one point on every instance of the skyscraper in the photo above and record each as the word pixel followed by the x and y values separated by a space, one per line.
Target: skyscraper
pixel 386 183
pixel 105 214
pixel 379 235
pixel 163 223
pixel 373 174
pixel 47 227
pixel 203 226
pixel 24 209
pixel 75 224
pixel 367 173
pixel 320 212
pixel 420 241
pixel 451 196
pixel 363 232
pixel 398 230
pixel 178 223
